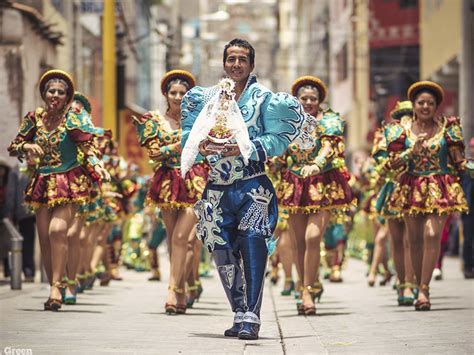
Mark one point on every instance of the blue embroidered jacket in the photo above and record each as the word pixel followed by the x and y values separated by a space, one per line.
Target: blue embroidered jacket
pixel 273 120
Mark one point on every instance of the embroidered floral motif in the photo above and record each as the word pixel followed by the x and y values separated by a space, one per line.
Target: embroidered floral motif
pixel 256 217
pixel 165 192
pixel 316 192
pixel 51 188
pixel 209 214
pixel 226 170
pixel 286 190
pixel 195 186
pixel 426 194
pixel 50 143
pixel 227 274
pixel 79 184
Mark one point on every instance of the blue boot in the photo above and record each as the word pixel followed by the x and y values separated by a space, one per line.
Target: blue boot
pixel 250 327
pixel 236 327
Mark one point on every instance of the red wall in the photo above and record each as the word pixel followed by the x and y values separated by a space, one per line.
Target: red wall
pixel 392 25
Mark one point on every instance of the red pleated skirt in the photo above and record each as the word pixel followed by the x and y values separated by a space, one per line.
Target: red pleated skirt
pixel 327 191
pixel 168 190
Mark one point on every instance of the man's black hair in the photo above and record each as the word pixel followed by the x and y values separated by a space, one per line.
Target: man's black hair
pixel 237 42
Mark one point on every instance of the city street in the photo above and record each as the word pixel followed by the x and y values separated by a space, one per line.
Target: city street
pixel 331 125
pixel 128 318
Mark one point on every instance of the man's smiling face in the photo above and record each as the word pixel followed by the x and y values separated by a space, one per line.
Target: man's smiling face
pixel 237 64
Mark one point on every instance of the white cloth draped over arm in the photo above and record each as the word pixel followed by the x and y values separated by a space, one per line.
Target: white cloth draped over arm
pixel 203 124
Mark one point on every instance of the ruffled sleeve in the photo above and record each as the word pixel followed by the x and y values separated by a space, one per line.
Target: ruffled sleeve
pixel 395 136
pixel 331 133
pixel 379 147
pixel 25 134
pixel 331 125
pixel 82 131
pixel 453 135
pixel 79 126
pixel 282 122
pixel 147 128
pixel 454 140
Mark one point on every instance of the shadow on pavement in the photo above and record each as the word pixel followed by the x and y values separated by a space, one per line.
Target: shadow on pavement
pixel 435 310
pixel 333 314
pixel 185 315
pixel 61 311
pixel 299 336
pixel 221 336
pixel 211 309
pixel 317 314
pixel 445 297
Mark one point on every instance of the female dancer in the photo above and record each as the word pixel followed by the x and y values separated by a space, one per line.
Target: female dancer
pixel 53 136
pixel 314 184
pixel 376 243
pixel 161 135
pixel 285 250
pixel 433 148
pixel 394 220
pixel 335 239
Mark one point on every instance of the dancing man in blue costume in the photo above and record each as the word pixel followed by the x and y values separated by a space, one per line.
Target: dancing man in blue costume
pixel 238 210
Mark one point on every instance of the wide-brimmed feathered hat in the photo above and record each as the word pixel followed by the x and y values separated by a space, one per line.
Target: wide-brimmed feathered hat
pixel 177 74
pixel 310 80
pixel 57 74
pixel 426 85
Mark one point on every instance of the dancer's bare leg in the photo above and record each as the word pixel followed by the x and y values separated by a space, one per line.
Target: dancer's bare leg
pixel 43 218
pixel 317 223
pixel 170 218
pixel 285 250
pixel 431 239
pixel 74 252
pixel 379 251
pixel 184 225
pixel 61 220
pixel 297 223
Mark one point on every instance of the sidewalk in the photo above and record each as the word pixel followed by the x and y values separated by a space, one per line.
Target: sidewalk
pixel 128 318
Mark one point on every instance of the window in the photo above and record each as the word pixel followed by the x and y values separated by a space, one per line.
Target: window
pixel 342 64
pixel 408 3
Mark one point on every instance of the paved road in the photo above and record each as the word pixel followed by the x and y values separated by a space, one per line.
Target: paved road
pixel 128 318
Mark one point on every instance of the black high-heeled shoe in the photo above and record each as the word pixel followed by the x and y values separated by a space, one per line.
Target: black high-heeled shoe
pixel 53 304
pixel 423 305
pixel 170 308
pixel 386 279
pixel 178 308
pixel 274 276
pixel 192 296
pixel 310 310
pixel 316 291
pixel 199 290
pixel 181 309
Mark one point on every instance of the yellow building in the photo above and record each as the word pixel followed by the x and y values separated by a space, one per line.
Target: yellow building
pixel 446 52
pixel 440 37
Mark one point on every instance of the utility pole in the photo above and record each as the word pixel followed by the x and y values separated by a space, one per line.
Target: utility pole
pixel 109 99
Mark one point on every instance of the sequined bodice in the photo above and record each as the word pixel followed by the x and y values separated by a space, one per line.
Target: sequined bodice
pixel 60 151
pixel 433 156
